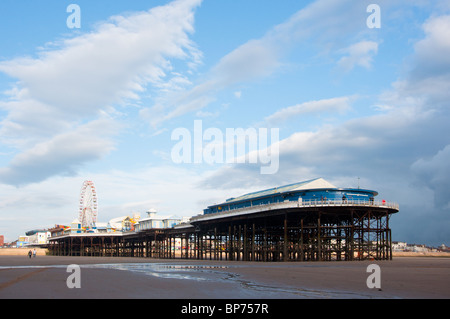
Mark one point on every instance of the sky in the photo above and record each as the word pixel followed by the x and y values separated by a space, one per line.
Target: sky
pixel 138 96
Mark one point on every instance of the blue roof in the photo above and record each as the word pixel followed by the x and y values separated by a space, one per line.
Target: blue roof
pixel 308 190
pixel 317 183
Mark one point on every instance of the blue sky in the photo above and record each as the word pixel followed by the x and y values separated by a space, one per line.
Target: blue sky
pixel 352 104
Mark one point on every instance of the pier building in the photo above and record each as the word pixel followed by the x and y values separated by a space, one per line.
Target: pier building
pixel 307 221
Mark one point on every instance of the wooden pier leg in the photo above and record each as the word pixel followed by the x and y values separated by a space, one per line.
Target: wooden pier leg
pixel 245 244
pixel 319 241
pixel 239 244
pixel 302 252
pixel 285 244
pixel 230 244
pixel 252 257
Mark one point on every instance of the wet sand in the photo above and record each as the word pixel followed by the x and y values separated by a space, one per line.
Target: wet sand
pixel 44 277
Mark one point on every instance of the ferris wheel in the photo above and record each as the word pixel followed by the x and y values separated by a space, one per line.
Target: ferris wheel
pixel 88 205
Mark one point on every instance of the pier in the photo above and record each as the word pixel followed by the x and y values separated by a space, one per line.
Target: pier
pixel 292 223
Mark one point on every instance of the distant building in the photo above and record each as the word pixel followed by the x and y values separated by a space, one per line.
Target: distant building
pixel 399 246
pixel 420 248
pixel 75 227
pixel 58 230
pixel 38 237
pixel 152 221
pixel 123 224
pixel 22 241
pixel 118 224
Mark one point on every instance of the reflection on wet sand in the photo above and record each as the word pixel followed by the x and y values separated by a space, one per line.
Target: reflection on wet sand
pixel 214 273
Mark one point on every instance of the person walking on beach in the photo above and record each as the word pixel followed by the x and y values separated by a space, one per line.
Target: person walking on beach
pixel 29 253
pixel 34 252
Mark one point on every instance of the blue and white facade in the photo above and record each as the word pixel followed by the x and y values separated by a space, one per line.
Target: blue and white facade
pixel 313 192
pixel 154 221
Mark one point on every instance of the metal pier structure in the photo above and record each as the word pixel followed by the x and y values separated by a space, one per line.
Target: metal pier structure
pixel 345 225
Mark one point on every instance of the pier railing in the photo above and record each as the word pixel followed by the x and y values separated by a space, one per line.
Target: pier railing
pixel 299 204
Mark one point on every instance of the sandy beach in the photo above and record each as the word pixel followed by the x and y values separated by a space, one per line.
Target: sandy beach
pixel 45 277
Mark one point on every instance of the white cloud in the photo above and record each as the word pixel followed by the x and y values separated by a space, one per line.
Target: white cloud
pixel 435 174
pixel 433 51
pixel 30 121
pixel 338 104
pixel 326 22
pixel 401 152
pixel 254 59
pixel 359 54
pixel 73 86
pixel 113 63
pixel 61 155
pixel 429 77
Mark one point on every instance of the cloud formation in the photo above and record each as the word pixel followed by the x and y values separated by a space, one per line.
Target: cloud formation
pixel 70 103
pixel 83 78
pixel 61 155
pixel 434 173
pixel 339 104
pixel 359 54
pixel 403 148
pixel 260 58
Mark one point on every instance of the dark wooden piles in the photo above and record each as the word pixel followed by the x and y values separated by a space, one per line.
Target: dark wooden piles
pixel 298 234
